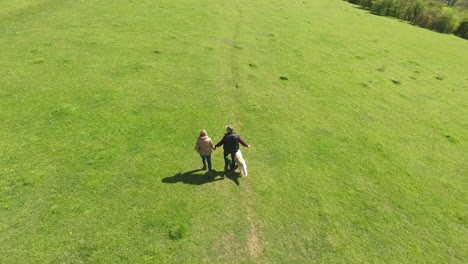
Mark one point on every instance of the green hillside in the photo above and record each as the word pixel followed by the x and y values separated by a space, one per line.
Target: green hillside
pixel 358 126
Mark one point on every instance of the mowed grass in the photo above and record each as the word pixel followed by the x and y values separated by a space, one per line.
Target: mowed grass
pixel 358 126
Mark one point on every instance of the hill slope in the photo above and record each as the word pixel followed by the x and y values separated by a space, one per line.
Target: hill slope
pixel 357 125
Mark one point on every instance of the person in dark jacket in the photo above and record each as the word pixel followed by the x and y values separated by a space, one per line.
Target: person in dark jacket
pixel 231 142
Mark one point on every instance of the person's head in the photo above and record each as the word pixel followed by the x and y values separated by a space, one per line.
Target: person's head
pixel 229 129
pixel 203 133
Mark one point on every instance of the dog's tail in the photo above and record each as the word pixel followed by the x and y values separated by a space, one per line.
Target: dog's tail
pixel 243 170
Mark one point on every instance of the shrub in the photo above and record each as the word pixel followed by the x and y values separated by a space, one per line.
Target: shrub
pixel 395 8
pixel 448 22
pixel 431 14
pixel 438 18
pixel 462 30
pixel 367 4
pixel 462 4
pixel 415 10
pixel 380 7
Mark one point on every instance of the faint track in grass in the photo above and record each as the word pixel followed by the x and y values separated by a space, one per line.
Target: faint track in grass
pixel 234 48
pixel 31 10
pixel 254 243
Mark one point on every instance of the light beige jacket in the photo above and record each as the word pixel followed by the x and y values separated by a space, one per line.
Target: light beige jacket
pixel 204 146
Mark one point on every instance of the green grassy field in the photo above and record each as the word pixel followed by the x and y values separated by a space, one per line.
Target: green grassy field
pixel 358 157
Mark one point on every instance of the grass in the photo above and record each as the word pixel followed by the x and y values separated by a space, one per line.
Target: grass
pixel 357 125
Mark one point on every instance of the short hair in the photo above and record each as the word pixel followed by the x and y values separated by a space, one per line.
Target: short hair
pixel 203 133
pixel 230 128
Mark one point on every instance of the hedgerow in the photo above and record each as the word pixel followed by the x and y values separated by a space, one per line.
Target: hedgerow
pixel 445 16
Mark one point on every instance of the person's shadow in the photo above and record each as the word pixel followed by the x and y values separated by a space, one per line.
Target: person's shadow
pixel 192 177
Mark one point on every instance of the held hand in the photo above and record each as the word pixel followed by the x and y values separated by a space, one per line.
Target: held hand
pixel 248 146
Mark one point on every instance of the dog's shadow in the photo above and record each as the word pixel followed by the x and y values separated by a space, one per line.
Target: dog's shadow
pixel 192 177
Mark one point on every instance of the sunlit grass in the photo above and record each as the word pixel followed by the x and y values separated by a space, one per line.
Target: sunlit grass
pixel 357 125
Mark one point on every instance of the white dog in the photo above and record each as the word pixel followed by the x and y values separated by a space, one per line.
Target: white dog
pixel 241 162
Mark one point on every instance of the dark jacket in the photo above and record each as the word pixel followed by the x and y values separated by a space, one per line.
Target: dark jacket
pixel 231 142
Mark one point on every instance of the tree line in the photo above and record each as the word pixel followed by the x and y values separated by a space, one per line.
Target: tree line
pixel 445 16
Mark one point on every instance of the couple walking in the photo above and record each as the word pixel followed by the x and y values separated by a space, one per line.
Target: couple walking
pixel 230 141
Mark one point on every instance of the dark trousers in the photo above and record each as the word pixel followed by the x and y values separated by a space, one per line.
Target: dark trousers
pixel 227 162
pixel 206 159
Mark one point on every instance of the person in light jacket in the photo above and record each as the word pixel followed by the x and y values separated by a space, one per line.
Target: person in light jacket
pixel 205 147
